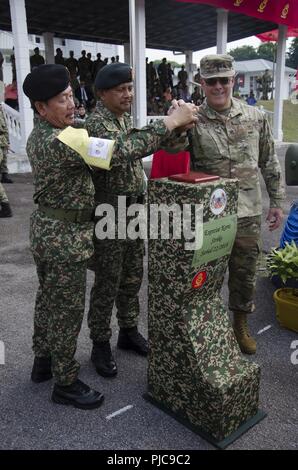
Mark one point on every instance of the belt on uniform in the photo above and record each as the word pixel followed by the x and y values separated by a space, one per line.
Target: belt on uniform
pixel 78 216
pixel 103 197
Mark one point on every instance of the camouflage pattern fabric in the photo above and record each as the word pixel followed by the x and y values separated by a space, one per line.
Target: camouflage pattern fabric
pixel 4 139
pixel 60 249
pixel 61 180
pixel 236 146
pixel 196 369
pixel 266 81
pixel 59 312
pixel 118 264
pixel 126 175
pixel 243 264
pixel 3 164
pixel 220 65
pixel 3 196
pixel 4 143
pixel 118 278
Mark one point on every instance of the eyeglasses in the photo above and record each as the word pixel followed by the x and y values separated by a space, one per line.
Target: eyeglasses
pixel 214 80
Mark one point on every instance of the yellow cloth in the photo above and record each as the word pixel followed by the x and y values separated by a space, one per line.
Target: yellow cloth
pixel 95 152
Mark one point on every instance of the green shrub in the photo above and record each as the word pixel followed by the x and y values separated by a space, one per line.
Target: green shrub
pixel 283 262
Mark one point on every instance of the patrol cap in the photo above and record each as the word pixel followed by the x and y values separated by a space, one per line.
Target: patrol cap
pixel 219 65
pixel 46 81
pixel 112 75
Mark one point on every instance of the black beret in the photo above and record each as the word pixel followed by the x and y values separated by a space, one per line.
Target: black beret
pixel 112 75
pixel 46 81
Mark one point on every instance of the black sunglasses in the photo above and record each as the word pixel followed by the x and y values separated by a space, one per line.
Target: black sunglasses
pixel 214 80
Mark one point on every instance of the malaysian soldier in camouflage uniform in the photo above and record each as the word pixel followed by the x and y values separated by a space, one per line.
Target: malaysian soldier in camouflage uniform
pixel 5 210
pixel 234 140
pixel 118 264
pixel 61 230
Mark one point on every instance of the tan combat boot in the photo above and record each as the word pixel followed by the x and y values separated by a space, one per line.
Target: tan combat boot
pixel 246 342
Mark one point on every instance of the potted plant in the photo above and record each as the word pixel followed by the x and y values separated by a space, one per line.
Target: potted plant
pixel 283 262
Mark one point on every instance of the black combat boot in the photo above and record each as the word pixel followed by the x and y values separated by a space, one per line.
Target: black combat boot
pixel 5 210
pixel 41 370
pixel 78 394
pixel 5 178
pixel 103 359
pixel 130 338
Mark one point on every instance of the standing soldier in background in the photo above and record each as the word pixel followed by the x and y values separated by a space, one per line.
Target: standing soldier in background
pixel 59 59
pixel 84 66
pixel 163 74
pixel 97 65
pixel 36 59
pixel 197 77
pixel 266 84
pixel 4 144
pixel 61 230
pixel 118 263
pixel 5 210
pixel 72 64
pixel 234 140
pixel 182 75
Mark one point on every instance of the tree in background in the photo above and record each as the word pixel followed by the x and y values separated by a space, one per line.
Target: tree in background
pixel 267 51
pixel 244 53
pixel 292 60
pixel 173 63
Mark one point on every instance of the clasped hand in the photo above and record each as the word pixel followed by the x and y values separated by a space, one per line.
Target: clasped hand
pixel 191 113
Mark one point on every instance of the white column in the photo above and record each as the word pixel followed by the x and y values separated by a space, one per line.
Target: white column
pixel 188 68
pixel 21 46
pixel 49 47
pixel 126 46
pixel 222 31
pixel 279 79
pixel 137 59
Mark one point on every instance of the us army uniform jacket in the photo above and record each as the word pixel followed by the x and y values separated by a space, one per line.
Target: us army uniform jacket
pixel 237 145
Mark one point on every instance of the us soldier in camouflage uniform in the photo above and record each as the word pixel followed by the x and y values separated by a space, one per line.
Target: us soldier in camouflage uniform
pixel 233 140
pixel 5 210
pixel 61 230
pixel 118 264
pixel 266 81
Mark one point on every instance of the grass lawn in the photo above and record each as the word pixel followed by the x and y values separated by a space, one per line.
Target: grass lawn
pixel 290 119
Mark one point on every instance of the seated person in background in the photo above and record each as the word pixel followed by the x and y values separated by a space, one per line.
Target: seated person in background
pixel 251 99
pixel 81 114
pixel 11 95
pixel 197 96
pixel 166 100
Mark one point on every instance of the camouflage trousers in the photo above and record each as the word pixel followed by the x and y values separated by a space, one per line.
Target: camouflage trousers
pixel 3 196
pixel 118 266
pixel 3 163
pixel 243 264
pixel 59 311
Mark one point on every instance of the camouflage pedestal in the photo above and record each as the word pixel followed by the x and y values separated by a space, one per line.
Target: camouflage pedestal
pixel 196 370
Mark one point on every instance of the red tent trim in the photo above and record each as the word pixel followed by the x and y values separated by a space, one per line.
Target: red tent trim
pixel 276 11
